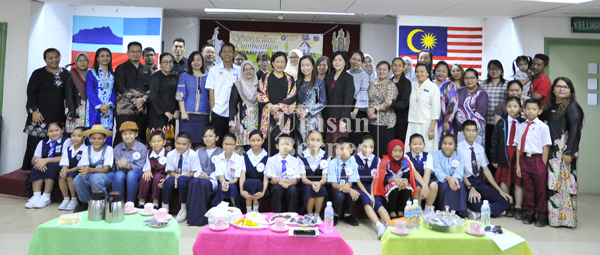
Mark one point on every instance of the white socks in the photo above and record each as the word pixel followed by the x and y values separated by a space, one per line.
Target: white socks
pixel 155 204
pixel 37 194
pixel 255 208
pixel 249 209
pixel 142 203
pixel 183 207
pixel 427 208
pixel 166 206
pixel 46 196
pixel 67 199
pixel 379 225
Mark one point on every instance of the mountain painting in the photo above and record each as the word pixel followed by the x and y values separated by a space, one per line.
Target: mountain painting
pixel 97 35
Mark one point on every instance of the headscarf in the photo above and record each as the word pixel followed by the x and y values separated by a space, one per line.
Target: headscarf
pixel 289 68
pixel 395 166
pixel 79 75
pixel 247 87
pixel 372 74
pixel 411 75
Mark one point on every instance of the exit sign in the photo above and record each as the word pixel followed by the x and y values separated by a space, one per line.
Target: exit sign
pixel 585 25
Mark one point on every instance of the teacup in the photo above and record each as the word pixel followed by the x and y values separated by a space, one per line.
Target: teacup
pixel 400 226
pixel 162 214
pixel 129 207
pixel 148 208
pixel 475 227
pixel 220 222
pixel 279 223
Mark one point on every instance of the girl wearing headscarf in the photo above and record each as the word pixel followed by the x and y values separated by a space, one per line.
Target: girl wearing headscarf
pixel 293 61
pixel 369 66
pixel 75 93
pixel 243 105
pixel 409 71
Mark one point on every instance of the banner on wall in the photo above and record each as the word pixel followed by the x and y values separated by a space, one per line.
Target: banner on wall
pixel 455 45
pixel 254 43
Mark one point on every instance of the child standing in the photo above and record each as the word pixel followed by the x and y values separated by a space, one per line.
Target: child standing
pixel 449 168
pixel 313 171
pixel 523 73
pixel 533 145
pixel 342 173
pixel 154 169
pixel 503 151
pixel 423 163
pixel 45 165
pixel 253 181
pixel 228 166
pixel 68 162
pixel 130 157
pixel 284 173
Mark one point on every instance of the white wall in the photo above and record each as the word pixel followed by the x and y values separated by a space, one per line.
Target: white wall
pixel 378 40
pixel 17 14
pixel 51 27
pixel 501 43
pixel 186 28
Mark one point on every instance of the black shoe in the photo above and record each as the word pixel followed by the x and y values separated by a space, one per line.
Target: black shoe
pixel 82 207
pixel 529 219
pixel 541 222
pixel 351 221
pixel 519 214
pixel 335 220
pixel 140 206
pixel 156 207
pixel 510 213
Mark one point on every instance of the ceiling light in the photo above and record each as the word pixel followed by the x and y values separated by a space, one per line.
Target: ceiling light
pixel 246 11
pixel 564 1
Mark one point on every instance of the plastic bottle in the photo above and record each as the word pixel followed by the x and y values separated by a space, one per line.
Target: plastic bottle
pixel 416 210
pixel 408 216
pixel 485 214
pixel 329 214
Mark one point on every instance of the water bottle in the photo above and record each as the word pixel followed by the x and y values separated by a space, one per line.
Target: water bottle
pixel 408 216
pixel 329 214
pixel 416 210
pixel 485 214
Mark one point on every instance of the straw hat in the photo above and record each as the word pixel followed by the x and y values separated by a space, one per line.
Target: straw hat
pixel 128 125
pixel 98 128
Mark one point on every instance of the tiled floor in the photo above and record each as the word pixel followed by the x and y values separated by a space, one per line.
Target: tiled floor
pixel 18 224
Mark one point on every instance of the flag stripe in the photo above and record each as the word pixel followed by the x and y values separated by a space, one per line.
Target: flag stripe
pixel 465 36
pixel 464 51
pixel 466 43
pixel 464 33
pixel 465 29
pixel 457 40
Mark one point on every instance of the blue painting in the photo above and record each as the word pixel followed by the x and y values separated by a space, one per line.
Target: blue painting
pixel 91 33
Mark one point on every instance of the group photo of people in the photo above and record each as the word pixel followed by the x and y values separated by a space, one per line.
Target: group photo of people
pixel 290 132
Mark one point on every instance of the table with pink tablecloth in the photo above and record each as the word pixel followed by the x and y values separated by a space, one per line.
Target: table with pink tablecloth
pixel 267 242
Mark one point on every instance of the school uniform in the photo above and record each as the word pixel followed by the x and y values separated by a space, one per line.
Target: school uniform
pixel 450 166
pixel 200 190
pixel 135 156
pixel 531 138
pixel 184 164
pixel 367 170
pixel 341 172
pixel 397 198
pixel 220 80
pixel 474 172
pixel 92 181
pixel 288 168
pixel 155 163
pixel 421 162
pixel 229 170
pixel 255 169
pixel 313 168
pixel 71 158
pixel 504 149
pixel 49 149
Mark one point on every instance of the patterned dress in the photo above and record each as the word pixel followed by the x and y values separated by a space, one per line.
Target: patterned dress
pixel 245 115
pixel 565 131
pixel 313 100
pixel 472 106
pixel 449 101
pixel 101 91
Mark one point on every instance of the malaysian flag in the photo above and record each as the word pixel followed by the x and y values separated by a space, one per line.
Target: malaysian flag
pixel 455 45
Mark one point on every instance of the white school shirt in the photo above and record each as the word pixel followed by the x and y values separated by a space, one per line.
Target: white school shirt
pixel 465 149
pixel 538 136
pixel 314 163
pixel 97 155
pixel 220 81
pixel 57 149
pixel 161 159
pixel 230 169
pixel 424 102
pixel 254 160
pixel 191 162
pixel 64 158
pixel 427 161
pixel 274 167
pixel 509 121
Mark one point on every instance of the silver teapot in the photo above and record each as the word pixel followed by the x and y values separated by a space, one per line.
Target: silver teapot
pixel 114 211
pixel 96 206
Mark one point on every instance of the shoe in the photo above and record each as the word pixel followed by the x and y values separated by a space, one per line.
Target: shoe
pixel 541 222
pixel 519 214
pixel 71 206
pixel 502 214
pixel 529 219
pixel 351 221
pixel 42 202
pixel 81 208
pixel 380 231
pixel 64 204
pixel 335 220
pixel 156 207
pixel 471 215
pixel 31 202
pixel 140 206
pixel 510 213
pixel 182 215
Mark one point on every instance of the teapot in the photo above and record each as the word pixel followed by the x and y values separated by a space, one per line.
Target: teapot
pixel 96 205
pixel 114 211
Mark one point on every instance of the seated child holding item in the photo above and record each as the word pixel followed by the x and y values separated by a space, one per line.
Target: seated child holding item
pixel 182 162
pixel 423 163
pixel 68 162
pixel 473 178
pixel 154 169
pixel 313 173
pixel 449 168
pixel 94 167
pixel 45 165
pixel 342 173
pixel 253 181
pixel 130 157
pixel 228 166
pixel 367 170
pixel 282 169
pixel 204 183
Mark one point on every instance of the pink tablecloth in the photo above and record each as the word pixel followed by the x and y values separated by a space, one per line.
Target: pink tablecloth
pixel 266 242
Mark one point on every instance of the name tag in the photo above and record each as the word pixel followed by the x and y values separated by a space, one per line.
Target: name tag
pixel 342 182
pixel 426 90
pixel 58 148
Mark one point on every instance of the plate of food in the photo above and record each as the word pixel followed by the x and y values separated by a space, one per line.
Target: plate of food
pixel 247 224
pixel 286 216
pixel 305 220
pixel 257 217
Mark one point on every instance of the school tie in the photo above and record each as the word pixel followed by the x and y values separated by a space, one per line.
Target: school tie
pixel 513 128
pixel 525 136
pixel 343 173
pixel 419 159
pixel 474 162
pixel 180 164
pixel 283 167
pixel 51 152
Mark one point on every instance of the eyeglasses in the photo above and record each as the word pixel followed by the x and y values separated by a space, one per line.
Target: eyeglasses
pixel 495 230
pixel 561 87
pixel 135 51
pixel 167 62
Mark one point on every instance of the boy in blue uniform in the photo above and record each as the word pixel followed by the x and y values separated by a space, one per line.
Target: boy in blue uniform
pixel 283 171
pixel 342 173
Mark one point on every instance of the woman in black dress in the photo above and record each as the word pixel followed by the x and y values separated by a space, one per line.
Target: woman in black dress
pixel 164 109
pixel 45 101
pixel 400 105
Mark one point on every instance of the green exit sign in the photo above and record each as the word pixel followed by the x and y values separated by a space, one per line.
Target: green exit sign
pixel 585 25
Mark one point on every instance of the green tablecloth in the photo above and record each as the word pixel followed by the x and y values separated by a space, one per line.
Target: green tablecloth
pixel 425 241
pixel 131 236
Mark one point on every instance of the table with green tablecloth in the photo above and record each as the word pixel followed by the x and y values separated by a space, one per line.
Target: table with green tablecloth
pixel 131 236
pixel 425 241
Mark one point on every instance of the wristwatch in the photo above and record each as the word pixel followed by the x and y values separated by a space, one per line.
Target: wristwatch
pixel 469 187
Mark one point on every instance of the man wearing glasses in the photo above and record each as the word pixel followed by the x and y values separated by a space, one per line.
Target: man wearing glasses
pixel 180 62
pixel 209 54
pixel 132 80
pixel 150 58
pixel 264 62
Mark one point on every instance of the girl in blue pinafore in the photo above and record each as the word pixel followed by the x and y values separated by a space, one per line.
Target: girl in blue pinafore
pixel 313 171
pixel 253 181
pixel 68 162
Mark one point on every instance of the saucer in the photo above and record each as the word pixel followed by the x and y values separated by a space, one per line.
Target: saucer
pixel 406 231
pixel 157 225
pixel 132 211
pixel 481 232
pixel 142 212
pixel 213 227
pixel 169 216
pixel 285 229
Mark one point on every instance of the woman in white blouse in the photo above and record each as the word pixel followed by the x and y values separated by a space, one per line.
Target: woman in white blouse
pixel 424 109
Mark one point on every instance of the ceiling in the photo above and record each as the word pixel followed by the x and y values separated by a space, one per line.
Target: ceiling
pixel 367 11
